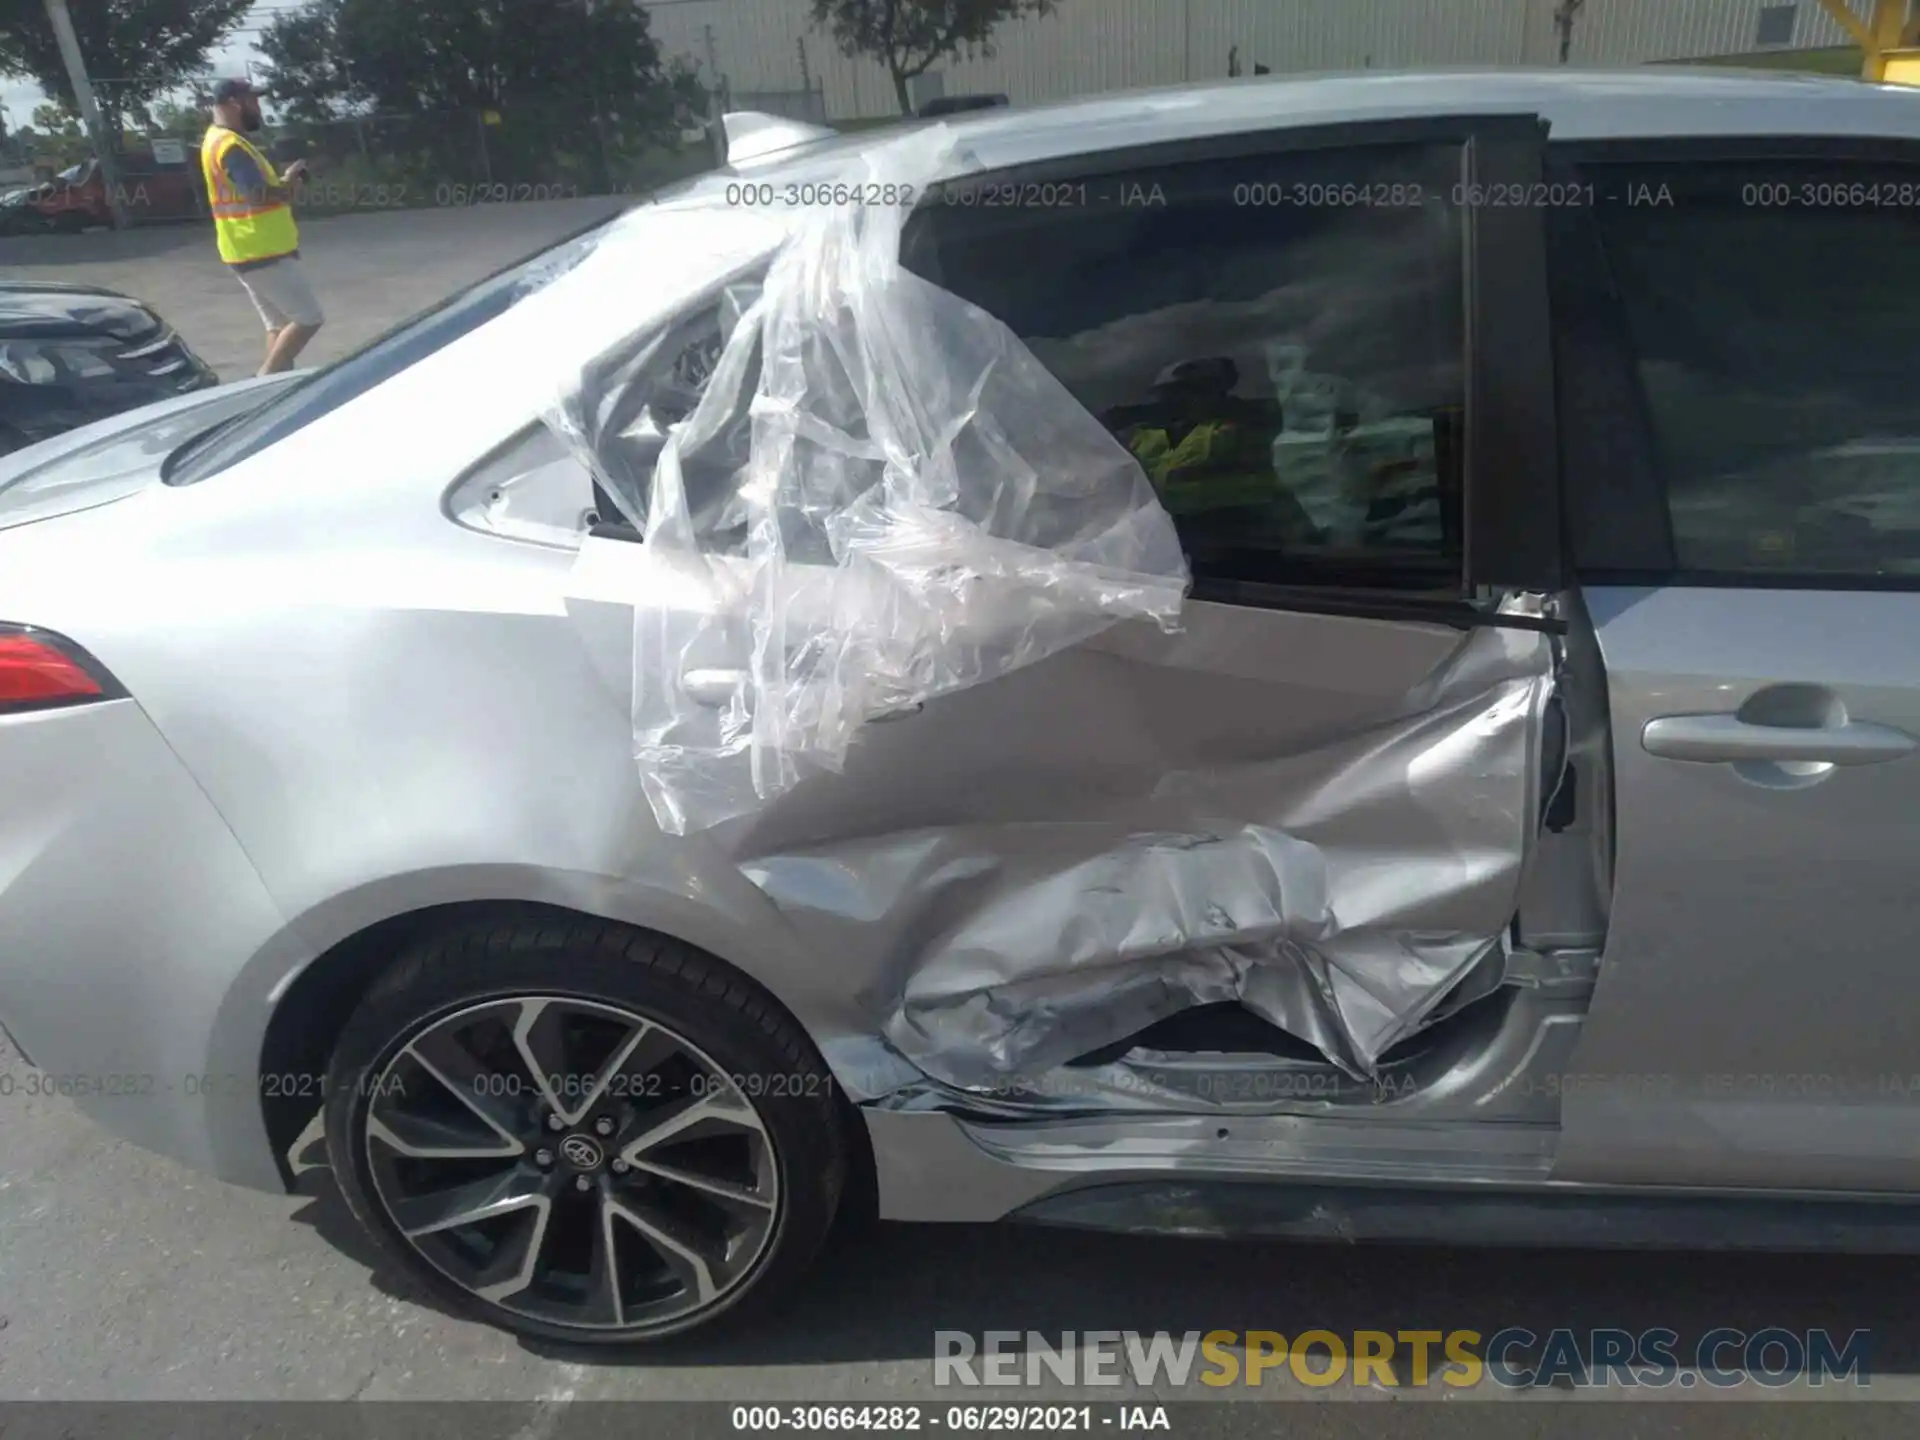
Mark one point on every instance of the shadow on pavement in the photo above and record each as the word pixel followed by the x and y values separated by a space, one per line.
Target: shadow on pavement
pixel 52 252
pixel 880 1293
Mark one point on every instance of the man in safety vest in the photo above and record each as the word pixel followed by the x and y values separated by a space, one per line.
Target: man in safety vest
pixel 253 220
pixel 1209 453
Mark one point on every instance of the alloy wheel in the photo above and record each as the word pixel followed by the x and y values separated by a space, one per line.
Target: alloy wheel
pixel 573 1162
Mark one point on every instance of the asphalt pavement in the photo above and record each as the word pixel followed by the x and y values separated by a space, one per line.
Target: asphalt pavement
pixel 125 1277
pixel 370 270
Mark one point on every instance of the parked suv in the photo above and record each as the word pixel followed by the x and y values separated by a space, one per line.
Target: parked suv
pixel 716 727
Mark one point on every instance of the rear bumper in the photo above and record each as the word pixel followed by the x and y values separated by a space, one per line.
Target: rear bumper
pixel 128 917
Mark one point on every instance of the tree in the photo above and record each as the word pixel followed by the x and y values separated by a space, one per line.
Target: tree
pixel 53 121
pixel 415 55
pixel 53 136
pixel 910 37
pixel 136 50
pixel 302 56
pixel 169 117
pixel 566 78
pixel 1564 17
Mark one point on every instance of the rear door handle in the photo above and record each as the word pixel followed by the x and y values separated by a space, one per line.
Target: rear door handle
pixel 1727 739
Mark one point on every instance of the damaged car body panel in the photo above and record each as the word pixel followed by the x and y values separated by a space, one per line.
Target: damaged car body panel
pixel 889 581
pixel 1235 674
pixel 1338 889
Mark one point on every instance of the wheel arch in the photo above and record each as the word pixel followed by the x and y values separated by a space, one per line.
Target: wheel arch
pixel 311 1010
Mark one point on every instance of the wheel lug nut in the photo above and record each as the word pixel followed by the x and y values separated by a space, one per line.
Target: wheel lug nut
pixel 603 1126
pixel 543 1158
pixel 581 1182
pixel 620 1167
pixel 554 1122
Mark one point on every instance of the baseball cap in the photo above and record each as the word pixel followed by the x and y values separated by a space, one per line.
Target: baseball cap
pixel 235 88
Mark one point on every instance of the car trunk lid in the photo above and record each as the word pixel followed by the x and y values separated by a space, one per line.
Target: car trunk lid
pixel 114 458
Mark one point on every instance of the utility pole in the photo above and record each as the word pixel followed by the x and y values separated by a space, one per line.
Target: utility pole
pixel 1564 15
pixel 103 150
pixel 716 125
pixel 359 120
pixel 605 168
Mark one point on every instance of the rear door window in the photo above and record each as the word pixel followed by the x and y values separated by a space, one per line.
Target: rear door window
pixel 1278 338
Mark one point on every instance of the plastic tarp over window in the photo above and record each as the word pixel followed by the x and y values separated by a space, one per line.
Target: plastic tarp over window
pixel 880 497
pixel 865 495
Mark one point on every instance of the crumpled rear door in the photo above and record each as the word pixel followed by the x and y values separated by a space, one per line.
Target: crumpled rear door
pixel 1315 789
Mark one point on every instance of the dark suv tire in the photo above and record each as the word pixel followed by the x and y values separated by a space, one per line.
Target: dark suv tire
pixel 584 1133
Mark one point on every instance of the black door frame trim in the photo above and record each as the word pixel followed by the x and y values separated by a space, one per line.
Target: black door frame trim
pixel 1514 534
pixel 1513 531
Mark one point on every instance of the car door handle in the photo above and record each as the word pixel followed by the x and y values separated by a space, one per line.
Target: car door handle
pixel 1727 739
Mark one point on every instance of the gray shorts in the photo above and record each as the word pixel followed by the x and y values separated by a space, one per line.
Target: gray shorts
pixel 281 294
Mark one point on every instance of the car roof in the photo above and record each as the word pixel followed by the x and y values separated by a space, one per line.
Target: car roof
pixel 1650 102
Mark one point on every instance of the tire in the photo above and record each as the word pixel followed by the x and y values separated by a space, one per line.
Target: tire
pixel 711 1224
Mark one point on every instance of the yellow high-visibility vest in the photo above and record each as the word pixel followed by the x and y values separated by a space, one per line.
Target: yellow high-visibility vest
pixel 1216 466
pixel 247 228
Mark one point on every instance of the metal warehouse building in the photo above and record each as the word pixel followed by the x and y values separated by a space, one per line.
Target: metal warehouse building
pixel 772 58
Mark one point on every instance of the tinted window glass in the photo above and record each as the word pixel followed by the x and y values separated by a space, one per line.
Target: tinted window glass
pixel 1278 339
pixel 1773 310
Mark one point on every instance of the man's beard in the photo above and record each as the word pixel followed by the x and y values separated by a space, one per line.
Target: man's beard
pixel 250 121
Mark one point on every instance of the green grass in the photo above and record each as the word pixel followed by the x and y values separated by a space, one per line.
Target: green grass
pixel 1838 60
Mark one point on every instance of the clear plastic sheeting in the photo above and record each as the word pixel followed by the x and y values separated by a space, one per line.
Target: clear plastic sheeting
pixel 861 497
pixel 618 414
pixel 878 497
pixel 1342 891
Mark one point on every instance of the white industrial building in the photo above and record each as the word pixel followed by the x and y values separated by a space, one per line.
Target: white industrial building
pixel 772 57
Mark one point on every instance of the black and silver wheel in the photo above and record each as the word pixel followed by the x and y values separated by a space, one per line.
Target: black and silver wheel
pixel 584 1134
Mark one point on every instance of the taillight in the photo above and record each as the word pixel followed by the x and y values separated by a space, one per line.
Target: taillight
pixel 41 671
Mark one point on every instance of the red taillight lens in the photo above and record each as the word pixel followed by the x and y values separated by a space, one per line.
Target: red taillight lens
pixel 34 672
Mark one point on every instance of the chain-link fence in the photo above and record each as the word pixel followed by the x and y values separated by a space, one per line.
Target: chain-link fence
pixel 534 151
pixel 530 151
pixel 809 106
pixel 541 148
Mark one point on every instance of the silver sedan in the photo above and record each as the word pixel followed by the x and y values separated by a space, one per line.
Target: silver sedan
pixel 1323 657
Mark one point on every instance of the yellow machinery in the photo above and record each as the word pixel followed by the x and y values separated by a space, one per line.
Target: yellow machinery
pixel 1888 37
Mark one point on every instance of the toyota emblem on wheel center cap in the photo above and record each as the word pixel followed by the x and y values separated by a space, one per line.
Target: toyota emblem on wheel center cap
pixel 581 1151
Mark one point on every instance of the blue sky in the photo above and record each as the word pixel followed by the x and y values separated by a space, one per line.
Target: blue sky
pixel 20 97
